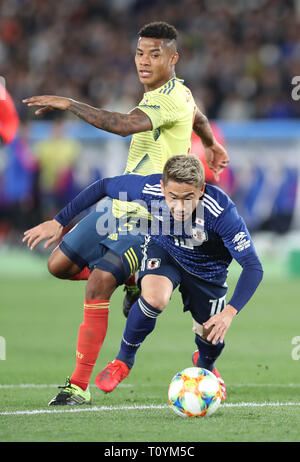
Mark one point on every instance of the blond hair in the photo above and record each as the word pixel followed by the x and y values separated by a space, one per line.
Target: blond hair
pixel 184 168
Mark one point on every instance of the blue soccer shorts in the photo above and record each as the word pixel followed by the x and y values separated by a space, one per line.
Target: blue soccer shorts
pixel 101 241
pixel 202 298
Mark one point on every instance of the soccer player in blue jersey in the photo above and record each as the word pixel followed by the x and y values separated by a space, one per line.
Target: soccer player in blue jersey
pixel 161 126
pixel 194 233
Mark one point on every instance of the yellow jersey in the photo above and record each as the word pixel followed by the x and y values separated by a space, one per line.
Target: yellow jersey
pixel 171 109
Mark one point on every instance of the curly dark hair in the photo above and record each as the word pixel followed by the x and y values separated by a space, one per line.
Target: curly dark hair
pixel 160 30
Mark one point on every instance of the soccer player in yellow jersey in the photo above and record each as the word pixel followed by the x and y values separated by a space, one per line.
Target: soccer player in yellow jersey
pixel 167 112
pixel 161 126
pixel 171 109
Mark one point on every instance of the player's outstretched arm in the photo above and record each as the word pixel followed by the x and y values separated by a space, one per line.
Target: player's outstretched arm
pixel 114 122
pixel 216 156
pixel 50 230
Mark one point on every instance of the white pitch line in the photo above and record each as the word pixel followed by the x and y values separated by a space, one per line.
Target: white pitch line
pixel 85 409
pixel 265 404
pixel 129 385
pixel 134 408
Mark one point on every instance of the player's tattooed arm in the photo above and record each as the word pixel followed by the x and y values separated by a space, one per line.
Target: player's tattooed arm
pixel 114 122
pixel 202 128
pixel 215 154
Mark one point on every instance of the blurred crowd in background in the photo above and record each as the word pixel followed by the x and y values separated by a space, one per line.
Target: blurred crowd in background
pixel 238 57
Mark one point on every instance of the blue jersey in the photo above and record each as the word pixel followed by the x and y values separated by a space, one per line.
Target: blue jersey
pixel 204 245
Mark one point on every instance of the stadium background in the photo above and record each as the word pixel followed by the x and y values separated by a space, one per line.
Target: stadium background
pixel 238 58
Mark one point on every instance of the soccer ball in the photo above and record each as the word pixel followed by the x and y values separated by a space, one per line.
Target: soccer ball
pixel 194 392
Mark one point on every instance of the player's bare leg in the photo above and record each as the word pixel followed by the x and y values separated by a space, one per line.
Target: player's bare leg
pixel 157 290
pixel 100 285
pixel 60 266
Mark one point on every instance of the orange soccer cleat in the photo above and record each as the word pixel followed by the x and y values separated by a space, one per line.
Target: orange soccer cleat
pixel 110 377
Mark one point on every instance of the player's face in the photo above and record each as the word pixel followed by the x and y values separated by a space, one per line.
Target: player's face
pixel 182 198
pixel 155 60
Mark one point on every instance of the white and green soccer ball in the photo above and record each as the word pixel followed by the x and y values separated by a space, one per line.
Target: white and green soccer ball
pixel 194 392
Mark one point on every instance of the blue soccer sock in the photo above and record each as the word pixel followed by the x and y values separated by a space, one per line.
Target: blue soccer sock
pixel 140 323
pixel 208 353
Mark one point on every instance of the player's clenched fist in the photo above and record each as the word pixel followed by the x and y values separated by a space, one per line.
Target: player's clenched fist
pixel 50 230
pixel 216 158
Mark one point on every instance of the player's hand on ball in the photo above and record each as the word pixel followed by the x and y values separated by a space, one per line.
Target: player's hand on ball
pixel 219 324
pixel 49 102
pixel 50 230
pixel 216 158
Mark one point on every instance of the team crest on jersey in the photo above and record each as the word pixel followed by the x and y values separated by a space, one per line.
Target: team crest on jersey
pixel 153 263
pixel 199 235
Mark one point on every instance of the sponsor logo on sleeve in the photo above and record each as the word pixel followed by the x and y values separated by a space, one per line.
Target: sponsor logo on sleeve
pixel 242 242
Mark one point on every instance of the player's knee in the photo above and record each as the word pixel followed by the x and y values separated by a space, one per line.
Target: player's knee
pixel 100 285
pixel 60 266
pixel 54 267
pixel 157 290
pixel 157 300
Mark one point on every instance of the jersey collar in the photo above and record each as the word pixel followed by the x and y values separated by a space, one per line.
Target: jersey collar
pixel 166 86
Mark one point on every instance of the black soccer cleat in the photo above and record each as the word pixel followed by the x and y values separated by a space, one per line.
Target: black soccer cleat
pixel 71 395
pixel 132 295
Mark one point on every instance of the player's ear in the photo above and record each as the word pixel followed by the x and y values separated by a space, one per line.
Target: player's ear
pixel 175 58
pixel 162 186
pixel 202 189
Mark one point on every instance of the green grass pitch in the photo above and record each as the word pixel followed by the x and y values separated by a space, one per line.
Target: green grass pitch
pixel 39 320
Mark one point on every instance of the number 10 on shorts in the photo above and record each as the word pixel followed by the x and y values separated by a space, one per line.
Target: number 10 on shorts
pixel 217 305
